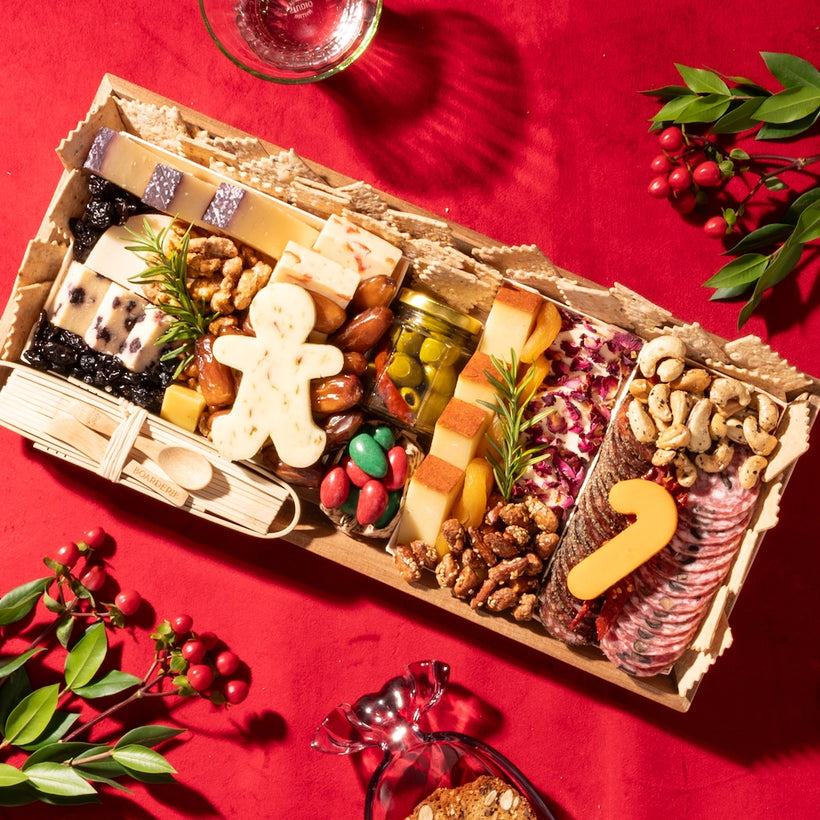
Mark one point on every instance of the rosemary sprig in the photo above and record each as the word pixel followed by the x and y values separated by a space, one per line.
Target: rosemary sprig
pixel 509 458
pixel 170 272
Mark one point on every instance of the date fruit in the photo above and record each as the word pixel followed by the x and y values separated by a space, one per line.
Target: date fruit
pixel 364 330
pixel 329 316
pixel 335 393
pixel 216 381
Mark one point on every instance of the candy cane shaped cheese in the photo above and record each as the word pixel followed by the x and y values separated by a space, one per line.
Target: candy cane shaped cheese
pixel 277 365
pixel 656 519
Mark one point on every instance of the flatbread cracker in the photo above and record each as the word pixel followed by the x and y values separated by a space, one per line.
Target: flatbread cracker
pixel 162 125
pixel 752 354
pixel 376 226
pixel 317 197
pixel 73 150
pixel 422 227
pixel 707 345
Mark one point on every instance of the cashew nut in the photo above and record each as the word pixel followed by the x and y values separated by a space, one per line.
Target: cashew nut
pixel 661 458
pixel 681 403
pixel 659 403
pixel 674 437
pixel 643 428
pixel 685 472
pixel 718 461
pixel 767 413
pixel 694 380
pixel 761 442
pixel 698 423
pixel 640 388
pixel 659 348
pixel 731 428
pixel 669 369
pixel 727 393
pixel 751 470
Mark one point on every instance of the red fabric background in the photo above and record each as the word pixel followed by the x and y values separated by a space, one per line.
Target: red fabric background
pixel 522 121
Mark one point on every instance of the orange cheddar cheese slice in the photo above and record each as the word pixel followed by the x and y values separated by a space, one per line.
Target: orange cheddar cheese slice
pixel 656 519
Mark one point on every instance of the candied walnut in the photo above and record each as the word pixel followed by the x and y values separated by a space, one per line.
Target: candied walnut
pixel 470 558
pixel 447 571
pixel 222 301
pixel 484 592
pixel 516 514
pixel 512 568
pixel 203 265
pixel 544 544
pixel 203 288
pixel 466 583
pixel 523 584
pixel 425 555
pixel 453 533
pixel 223 325
pixel 249 256
pixel 219 247
pixel 525 609
pixel 250 283
pixel 544 518
pixel 480 547
pixel 493 514
pixel 501 545
pixel 232 268
pixel 501 599
pixel 406 564
pixel 520 536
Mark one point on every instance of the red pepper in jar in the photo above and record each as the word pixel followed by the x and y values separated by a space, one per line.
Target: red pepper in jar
pixel 393 400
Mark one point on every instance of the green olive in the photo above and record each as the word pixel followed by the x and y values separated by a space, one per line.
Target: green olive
pixel 437 351
pixel 409 342
pixel 411 397
pixel 405 371
pixel 434 404
pixel 443 380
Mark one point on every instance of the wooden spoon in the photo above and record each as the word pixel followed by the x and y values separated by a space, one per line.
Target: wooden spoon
pixel 186 467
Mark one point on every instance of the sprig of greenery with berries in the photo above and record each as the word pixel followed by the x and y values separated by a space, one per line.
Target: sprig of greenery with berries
pixel 63 765
pixel 693 119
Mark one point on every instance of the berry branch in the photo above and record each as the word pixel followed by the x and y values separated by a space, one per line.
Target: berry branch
pixel 59 768
pixel 693 120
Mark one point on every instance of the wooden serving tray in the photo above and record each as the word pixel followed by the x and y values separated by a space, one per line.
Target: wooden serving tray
pixel 748 358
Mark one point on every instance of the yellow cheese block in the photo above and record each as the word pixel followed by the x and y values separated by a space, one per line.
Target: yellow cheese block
pixel 182 406
pixel 472 384
pixel 458 431
pixel 510 322
pixel 431 493
pixel 656 519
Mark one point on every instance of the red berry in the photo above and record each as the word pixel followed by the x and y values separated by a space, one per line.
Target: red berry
pixel 661 164
pixel 94 537
pixel 707 174
pixel 200 677
pixel 194 651
pixel 236 691
pixel 684 202
pixel 128 601
pixel 680 178
pixel 182 624
pixel 659 188
pixel 671 139
pixel 226 663
pixel 209 639
pixel 68 554
pixel 715 227
pixel 94 578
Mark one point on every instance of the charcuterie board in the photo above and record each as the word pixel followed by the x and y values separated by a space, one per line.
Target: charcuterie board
pixel 598 327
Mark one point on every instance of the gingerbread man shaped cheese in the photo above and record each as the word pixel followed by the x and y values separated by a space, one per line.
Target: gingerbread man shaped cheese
pixel 277 365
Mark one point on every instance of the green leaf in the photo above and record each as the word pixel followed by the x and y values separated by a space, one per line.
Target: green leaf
pixel 781 266
pixel 775 184
pixel 15 688
pixel 18 602
pixel 52 604
pixel 65 626
pixel 772 131
pixel 20 795
pixel 665 92
pixel 808 225
pixel 704 109
pixel 148 735
pixel 789 105
pixel 763 237
pixel 91 773
pixel 7 667
pixel 741 271
pixel 30 717
pixel 729 294
pixel 791 71
pixel 738 118
pixel 674 108
pixel 54 778
pixel 141 759
pixel 86 657
pixel 702 81
pixel 738 153
pixel 10 775
pixel 57 752
pixel 800 204
pixel 112 684
pixel 57 727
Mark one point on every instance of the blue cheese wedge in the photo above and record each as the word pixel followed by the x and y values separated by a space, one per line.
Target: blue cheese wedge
pixel 312 271
pixel 78 300
pixel 118 312
pixel 273 399
pixel 141 347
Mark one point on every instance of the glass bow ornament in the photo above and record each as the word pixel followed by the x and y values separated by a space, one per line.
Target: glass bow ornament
pixel 415 763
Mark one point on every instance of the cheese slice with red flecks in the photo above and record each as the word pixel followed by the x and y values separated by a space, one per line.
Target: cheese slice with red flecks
pixel 314 272
pixel 357 249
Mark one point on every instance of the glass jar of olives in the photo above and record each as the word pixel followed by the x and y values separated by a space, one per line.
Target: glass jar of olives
pixel 413 374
